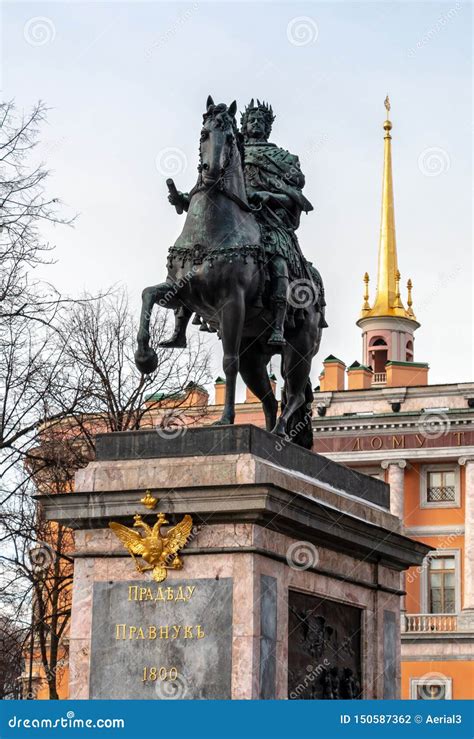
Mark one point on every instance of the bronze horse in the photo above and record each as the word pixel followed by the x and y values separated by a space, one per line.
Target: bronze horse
pixel 216 269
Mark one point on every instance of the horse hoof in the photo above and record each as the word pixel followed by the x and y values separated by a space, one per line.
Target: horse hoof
pixel 146 361
pixel 279 430
pixel 223 422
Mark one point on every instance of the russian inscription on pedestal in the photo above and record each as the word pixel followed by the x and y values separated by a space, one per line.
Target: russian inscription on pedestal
pixel 162 641
pixel 324 655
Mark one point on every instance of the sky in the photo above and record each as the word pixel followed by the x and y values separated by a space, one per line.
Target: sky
pixel 126 84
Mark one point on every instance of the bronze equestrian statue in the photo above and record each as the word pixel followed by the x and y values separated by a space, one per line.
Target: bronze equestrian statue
pixel 238 267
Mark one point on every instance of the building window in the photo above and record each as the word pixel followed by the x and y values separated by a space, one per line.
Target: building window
pixel 440 589
pixel 431 687
pixel 442 585
pixel 440 487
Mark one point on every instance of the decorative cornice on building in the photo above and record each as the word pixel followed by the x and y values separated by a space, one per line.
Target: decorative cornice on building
pixel 413 455
pixel 461 389
pixel 450 530
pixel 378 427
pixel 407 364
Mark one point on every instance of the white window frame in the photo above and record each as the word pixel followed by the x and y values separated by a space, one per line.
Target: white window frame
pixel 415 682
pixel 425 580
pixel 424 502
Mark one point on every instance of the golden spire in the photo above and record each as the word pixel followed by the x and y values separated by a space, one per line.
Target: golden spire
pixel 387 300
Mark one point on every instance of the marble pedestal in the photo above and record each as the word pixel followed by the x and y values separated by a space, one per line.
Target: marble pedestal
pixel 290 586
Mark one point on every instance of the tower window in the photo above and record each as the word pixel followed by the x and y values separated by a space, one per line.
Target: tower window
pixel 409 351
pixel 378 352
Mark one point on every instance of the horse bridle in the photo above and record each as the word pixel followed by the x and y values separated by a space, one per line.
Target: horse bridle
pixel 220 183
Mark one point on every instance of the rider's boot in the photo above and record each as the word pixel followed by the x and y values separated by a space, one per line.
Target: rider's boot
pixel 178 338
pixel 277 337
pixel 280 286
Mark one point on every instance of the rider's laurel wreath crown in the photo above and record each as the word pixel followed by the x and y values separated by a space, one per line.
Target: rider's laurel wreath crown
pixel 263 108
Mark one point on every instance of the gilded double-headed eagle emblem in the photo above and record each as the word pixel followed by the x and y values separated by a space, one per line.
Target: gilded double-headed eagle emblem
pixel 159 551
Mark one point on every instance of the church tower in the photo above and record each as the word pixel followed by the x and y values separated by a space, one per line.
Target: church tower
pixel 387 326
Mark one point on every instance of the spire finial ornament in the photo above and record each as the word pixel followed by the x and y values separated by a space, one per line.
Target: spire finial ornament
pixel 410 300
pixel 387 124
pixel 398 300
pixel 366 305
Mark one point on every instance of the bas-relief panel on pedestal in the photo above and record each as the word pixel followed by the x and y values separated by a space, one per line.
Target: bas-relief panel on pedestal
pixel 162 641
pixel 324 649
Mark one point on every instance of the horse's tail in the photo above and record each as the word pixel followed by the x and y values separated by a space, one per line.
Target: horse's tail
pixel 300 427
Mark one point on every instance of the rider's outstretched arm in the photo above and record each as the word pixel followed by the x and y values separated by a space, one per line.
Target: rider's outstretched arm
pixel 180 200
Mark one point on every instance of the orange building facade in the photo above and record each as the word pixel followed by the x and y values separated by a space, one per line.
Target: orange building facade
pixel 425 450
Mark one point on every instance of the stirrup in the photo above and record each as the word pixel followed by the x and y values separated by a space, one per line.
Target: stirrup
pixel 277 339
pixel 175 342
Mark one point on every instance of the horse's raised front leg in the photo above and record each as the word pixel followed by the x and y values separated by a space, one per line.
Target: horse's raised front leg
pixel 145 357
pixel 231 324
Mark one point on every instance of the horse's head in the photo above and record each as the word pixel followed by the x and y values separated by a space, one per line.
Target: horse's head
pixel 219 150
